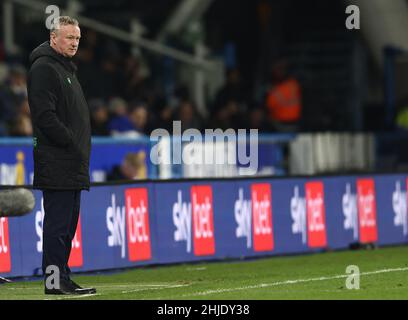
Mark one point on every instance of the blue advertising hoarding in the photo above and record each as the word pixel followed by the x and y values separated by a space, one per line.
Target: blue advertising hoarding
pixel 145 223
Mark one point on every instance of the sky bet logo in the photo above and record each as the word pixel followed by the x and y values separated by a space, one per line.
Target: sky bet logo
pixel 75 258
pixel 367 210
pixel 134 218
pixel 349 206
pixel 399 205
pixel 137 220
pixel 196 216
pixel 308 214
pixel 360 210
pixel 5 261
pixel 254 217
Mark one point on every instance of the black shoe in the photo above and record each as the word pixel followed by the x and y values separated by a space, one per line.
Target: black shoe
pixel 66 287
pixel 85 290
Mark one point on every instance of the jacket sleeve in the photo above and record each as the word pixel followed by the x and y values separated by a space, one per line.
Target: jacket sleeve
pixel 43 92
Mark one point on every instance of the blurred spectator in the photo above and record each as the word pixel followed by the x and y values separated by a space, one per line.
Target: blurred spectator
pixel 119 123
pixel 23 107
pixel 2 51
pixel 134 74
pixel 188 115
pixel 284 101
pixel 163 113
pixel 18 80
pixel 133 167
pixel 230 103
pixel 233 90
pixel 231 115
pixel 3 129
pixel 180 94
pixel 12 92
pixel 257 120
pixel 20 125
pixel 88 70
pixel 99 117
pixel 3 73
pixel 110 82
pixel 139 117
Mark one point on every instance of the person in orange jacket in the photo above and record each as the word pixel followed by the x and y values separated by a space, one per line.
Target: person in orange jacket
pixel 284 99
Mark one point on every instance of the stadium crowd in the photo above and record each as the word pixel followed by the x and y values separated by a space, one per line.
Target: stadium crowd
pixel 124 98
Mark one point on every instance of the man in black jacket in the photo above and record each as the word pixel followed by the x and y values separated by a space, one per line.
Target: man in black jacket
pixel 62 144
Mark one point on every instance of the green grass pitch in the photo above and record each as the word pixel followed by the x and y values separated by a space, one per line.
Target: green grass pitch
pixel 383 275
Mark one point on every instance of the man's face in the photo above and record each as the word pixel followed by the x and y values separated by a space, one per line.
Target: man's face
pixel 66 40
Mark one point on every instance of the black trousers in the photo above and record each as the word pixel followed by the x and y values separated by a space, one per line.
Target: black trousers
pixel 60 222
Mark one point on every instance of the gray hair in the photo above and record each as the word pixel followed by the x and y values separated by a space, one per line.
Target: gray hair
pixel 63 21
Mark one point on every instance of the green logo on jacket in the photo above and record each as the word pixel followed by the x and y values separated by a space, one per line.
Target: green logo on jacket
pixel 35 141
pixel 69 80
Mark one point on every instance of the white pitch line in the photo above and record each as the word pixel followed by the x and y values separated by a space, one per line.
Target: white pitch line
pixel 196 269
pixel 124 286
pixel 21 288
pixel 75 296
pixel 138 287
pixel 111 286
pixel 157 288
pixel 265 285
pixel 208 292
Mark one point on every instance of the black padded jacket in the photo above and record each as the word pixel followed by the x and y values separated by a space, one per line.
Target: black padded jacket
pixel 61 122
